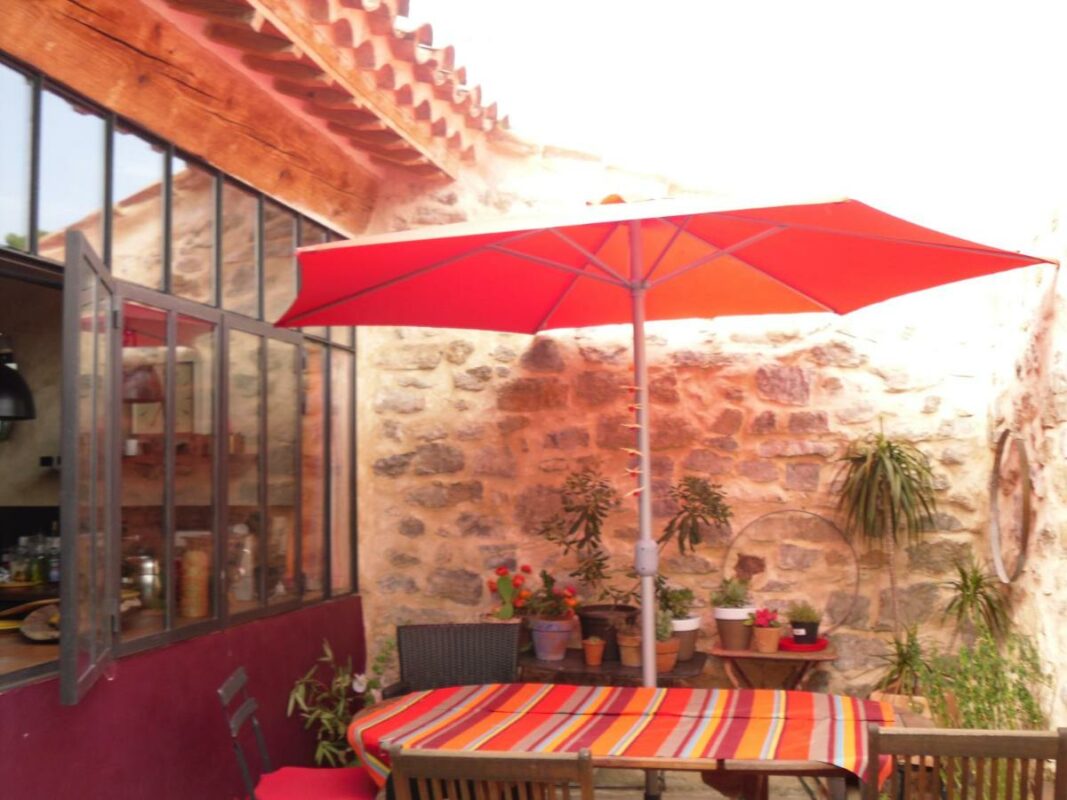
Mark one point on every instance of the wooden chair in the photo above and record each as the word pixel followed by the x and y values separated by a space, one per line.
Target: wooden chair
pixel 433 775
pixel 432 656
pixel 287 783
pixel 956 764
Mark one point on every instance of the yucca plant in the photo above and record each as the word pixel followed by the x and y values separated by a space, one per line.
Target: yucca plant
pixel 905 665
pixel 887 489
pixel 976 598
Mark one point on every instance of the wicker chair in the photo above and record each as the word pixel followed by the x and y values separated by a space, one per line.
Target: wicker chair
pixel 431 775
pixel 454 654
pixel 936 763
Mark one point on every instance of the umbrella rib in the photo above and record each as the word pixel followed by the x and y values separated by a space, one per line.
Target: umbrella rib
pixel 547 262
pixel 543 323
pixel 725 251
pixel 678 230
pixel 593 259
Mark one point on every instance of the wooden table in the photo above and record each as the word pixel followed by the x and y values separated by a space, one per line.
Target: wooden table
pixel 573 669
pixel 801 664
pixel 741 736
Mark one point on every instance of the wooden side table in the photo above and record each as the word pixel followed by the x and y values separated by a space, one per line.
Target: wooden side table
pixel 572 669
pixel 801 663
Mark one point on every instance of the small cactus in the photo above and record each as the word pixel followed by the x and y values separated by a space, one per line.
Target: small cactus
pixel 664 629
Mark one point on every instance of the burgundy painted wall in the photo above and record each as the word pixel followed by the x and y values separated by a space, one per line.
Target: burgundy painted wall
pixel 156 730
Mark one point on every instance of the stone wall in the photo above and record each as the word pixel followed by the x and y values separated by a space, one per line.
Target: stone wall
pixel 466 437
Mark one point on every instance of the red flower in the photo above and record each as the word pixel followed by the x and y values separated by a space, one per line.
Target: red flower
pixel 526 568
pixel 518 580
pixel 502 570
pixel 570 591
pixel 492 585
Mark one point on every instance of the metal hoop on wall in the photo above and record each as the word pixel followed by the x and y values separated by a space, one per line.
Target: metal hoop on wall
pixel 1009 572
pixel 852 552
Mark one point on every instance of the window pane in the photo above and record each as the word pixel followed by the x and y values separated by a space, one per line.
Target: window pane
pixel 192 236
pixel 144 413
pixel 340 335
pixel 137 217
pixel 240 289
pixel 283 406
pixel 16 100
pixel 313 488
pixel 311 233
pixel 341 432
pixel 72 175
pixel 194 461
pixel 279 260
pixel 243 516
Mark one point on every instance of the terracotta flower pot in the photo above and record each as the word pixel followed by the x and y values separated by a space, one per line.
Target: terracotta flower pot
pixel 550 637
pixel 603 620
pixel 687 631
pixel 765 640
pixel 594 651
pixel 629 649
pixel 667 654
pixel 734 634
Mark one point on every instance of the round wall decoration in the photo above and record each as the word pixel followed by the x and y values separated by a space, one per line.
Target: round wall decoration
pixel 1009 506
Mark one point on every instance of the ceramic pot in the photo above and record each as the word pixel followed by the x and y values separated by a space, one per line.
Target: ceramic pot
pixel 687 631
pixel 630 649
pixel 667 654
pixel 550 637
pixel 603 620
pixel 765 640
pixel 734 634
pixel 805 632
pixel 594 651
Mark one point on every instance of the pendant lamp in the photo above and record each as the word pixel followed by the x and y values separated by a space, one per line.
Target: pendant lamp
pixel 16 399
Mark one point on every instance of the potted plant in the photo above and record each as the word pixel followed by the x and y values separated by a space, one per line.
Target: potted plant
pixel 766 630
pixel 666 643
pixel 677 602
pixel 550 614
pixel 629 641
pixel 593 648
pixel 887 488
pixel 804 621
pixel 588 497
pixel 732 609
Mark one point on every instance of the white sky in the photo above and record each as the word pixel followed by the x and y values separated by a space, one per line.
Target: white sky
pixel 948 113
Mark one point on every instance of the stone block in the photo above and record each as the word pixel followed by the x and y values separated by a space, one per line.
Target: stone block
pixel 937 557
pixel 423 355
pixel 707 462
pixel 690 564
pixel 414 382
pixel 808 422
pixel 749 566
pixel 511 424
pixel 701 359
pixel 837 354
pixel 802 477
pixel 779 448
pixel 855 413
pixel 758 470
pixel 398 401
pixel 390 430
pixel 918 603
pixel 470 432
pixel 596 388
pixel 791 557
pixel 411 527
pixel 611 432
pixel 856 652
pixel 726 443
pixel 841 610
pixel 535 504
pixel 532 394
pixel 458 585
pixel 670 432
pixel 498 555
pixel 480 525
pixel 664 389
pixel 783 384
pixel 503 354
pixel 764 422
pixel 394 465
pixel 437 459
pixel 497 461
pixel 604 353
pixel 566 439
pixel 400 559
pixel 728 422
pixel 553 465
pixel 397 584
pixel 458 351
pixel 474 379
pixel 443 495
pixel 543 355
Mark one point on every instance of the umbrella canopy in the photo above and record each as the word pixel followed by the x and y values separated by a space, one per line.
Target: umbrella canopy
pixel 626 263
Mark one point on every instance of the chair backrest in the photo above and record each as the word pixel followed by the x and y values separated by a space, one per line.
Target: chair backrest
pixel 956 764
pixel 455 654
pixel 244 712
pixel 431 775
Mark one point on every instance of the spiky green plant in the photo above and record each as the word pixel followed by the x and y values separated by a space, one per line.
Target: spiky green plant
pixel 700 504
pixel 905 665
pixel 976 598
pixel 887 489
pixel 732 593
pixel 664 630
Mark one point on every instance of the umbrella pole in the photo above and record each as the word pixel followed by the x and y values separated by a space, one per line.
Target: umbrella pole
pixel 646 556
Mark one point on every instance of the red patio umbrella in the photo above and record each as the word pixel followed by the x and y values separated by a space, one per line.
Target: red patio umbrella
pixel 625 263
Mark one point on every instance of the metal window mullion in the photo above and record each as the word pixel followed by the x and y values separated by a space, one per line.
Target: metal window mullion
pixel 169 469
pixel 353 525
pixel 217 473
pixel 217 244
pixel 264 465
pixel 35 162
pixel 258 255
pixel 222 483
pixel 327 471
pixel 168 213
pixel 109 169
pixel 113 465
pixel 93 478
pixel 298 468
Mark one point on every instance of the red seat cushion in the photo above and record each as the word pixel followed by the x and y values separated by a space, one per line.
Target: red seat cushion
pixel 297 783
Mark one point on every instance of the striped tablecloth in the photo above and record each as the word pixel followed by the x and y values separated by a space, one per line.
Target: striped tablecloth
pixel 744 724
